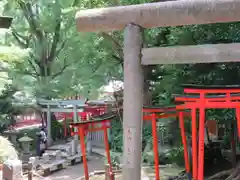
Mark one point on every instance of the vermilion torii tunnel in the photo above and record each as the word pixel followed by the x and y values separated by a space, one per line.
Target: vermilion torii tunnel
pixel 201 98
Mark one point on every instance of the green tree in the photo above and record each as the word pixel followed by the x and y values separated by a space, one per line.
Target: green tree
pixel 57 52
pixel 7 109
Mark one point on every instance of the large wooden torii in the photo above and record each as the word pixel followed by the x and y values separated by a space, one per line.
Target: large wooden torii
pixel 133 19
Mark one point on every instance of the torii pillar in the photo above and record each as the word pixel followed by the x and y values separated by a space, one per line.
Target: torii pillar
pixel 132 102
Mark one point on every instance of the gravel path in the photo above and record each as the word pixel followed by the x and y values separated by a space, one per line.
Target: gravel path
pixel 76 171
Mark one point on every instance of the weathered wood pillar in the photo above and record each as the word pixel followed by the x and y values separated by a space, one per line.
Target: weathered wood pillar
pixel 49 126
pixel 133 102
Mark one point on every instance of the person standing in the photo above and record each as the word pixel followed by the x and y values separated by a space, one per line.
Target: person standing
pixel 43 140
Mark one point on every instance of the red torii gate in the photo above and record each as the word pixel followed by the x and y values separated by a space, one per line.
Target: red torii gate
pixel 202 98
pixel 89 126
pixel 87 113
pixel 82 115
pixel 150 114
pixel 155 113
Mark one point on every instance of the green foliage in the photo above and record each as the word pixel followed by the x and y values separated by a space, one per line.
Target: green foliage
pixel 57 130
pixel 146 135
pixel 226 144
pixel 7 150
pixel 148 157
pixel 7 109
pixel 61 61
pixel 116 158
pixel 116 139
pixel 12 54
pixel 176 156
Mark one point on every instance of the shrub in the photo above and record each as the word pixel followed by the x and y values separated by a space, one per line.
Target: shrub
pixel 7 151
pixel 176 156
pixel 57 130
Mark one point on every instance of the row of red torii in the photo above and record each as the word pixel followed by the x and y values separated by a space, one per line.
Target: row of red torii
pixel 196 98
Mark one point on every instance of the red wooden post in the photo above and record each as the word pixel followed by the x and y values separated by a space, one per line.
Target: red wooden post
pixel 184 141
pixel 238 120
pixel 83 148
pixel 71 130
pixel 201 139
pixel 194 144
pixel 107 149
pixel 155 145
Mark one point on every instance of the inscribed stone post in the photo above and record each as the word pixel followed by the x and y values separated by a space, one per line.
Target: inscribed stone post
pixel 133 102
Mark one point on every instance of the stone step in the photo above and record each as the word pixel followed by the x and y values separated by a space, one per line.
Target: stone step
pixel 54 166
pixel 165 171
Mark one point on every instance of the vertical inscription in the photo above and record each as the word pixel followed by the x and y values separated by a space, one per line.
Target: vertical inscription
pixel 131 133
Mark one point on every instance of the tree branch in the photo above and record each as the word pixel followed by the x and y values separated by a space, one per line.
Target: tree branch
pixel 54 52
pixel 30 17
pixel 33 67
pixel 60 48
pixel 115 43
pixel 118 59
pixel 22 41
pixel 30 74
pixel 65 66
pixel 26 72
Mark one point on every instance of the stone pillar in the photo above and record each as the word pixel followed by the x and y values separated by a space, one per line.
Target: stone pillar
pixel 133 102
pixel 12 170
pixel 13 138
pixel 49 126
pixel 89 143
pixel 25 144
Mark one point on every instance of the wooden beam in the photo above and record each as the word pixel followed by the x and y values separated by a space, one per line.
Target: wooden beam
pixel 99 102
pixel 133 103
pixel 61 110
pixel 161 14
pixel 61 102
pixel 209 53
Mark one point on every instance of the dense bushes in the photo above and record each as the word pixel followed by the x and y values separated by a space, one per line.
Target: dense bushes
pixel 174 155
pixel 7 151
pixel 57 130
pixel 116 138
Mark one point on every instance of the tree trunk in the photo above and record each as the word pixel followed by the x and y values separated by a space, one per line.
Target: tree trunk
pixel 207 134
pixel 233 144
pixel 45 70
